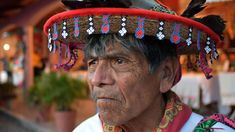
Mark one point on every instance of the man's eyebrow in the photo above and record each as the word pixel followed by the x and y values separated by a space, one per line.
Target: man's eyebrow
pixel 109 55
pixel 116 54
pixel 91 57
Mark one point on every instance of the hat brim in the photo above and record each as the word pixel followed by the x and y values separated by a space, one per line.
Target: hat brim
pixel 199 33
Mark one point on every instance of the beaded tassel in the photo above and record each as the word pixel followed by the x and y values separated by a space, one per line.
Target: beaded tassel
pixel 91 28
pixel 175 37
pixel 73 57
pixel 76 27
pixel 139 33
pixel 215 54
pixel 123 30
pixel 55 36
pixel 64 30
pixel 50 47
pixel 189 40
pixel 204 65
pixel 207 48
pixel 160 34
pixel 106 26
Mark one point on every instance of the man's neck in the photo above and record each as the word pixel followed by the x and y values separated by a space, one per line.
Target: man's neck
pixel 149 119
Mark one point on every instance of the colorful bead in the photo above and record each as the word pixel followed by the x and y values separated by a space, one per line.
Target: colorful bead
pixel 123 30
pixel 175 37
pixel 139 33
pixel 76 27
pixel 91 28
pixel 214 54
pixel 189 40
pixel 49 36
pixel 207 48
pixel 160 35
pixel 64 32
pixel 55 34
pixel 50 47
pixel 106 26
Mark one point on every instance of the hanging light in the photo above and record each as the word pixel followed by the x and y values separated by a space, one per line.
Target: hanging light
pixel 6 47
pixel 3 76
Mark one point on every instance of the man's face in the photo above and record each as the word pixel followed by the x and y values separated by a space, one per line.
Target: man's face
pixel 121 84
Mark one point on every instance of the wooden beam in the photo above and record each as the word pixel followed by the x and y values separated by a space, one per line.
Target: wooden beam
pixel 29 73
pixel 31 15
pixel 35 13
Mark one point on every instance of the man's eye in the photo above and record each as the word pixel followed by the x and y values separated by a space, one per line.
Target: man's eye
pixel 121 64
pixel 120 61
pixel 92 62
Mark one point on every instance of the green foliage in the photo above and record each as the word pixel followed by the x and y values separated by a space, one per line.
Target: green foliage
pixel 35 95
pixel 58 89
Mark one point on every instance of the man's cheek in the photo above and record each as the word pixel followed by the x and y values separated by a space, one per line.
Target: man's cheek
pixel 89 78
pixel 126 87
pixel 90 87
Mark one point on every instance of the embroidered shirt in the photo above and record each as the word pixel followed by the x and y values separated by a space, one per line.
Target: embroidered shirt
pixel 177 117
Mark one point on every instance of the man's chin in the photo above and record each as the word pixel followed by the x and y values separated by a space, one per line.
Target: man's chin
pixel 109 119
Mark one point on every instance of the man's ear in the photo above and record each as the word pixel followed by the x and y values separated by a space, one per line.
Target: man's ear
pixel 168 73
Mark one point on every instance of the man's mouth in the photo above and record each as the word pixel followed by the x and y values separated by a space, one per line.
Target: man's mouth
pixel 105 98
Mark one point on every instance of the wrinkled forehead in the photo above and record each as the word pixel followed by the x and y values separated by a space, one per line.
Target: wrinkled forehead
pixel 107 49
pixel 102 46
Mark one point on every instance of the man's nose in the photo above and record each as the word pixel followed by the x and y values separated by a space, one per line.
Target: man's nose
pixel 102 75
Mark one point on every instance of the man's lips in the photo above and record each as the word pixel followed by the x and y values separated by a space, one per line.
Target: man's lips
pixel 105 98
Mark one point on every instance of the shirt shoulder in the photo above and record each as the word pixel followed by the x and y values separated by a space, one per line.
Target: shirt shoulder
pixel 192 122
pixel 220 127
pixel 92 124
pixel 196 118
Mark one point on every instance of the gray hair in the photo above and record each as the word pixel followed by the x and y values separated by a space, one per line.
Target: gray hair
pixel 154 50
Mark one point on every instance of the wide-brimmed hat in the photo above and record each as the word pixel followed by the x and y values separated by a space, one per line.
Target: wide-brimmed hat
pixel 141 18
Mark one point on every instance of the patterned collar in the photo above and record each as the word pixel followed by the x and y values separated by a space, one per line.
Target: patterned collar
pixel 175 116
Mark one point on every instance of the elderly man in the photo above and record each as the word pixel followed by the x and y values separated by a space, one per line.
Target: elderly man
pixel 132 56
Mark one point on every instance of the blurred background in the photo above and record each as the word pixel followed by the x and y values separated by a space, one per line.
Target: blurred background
pixel 34 96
